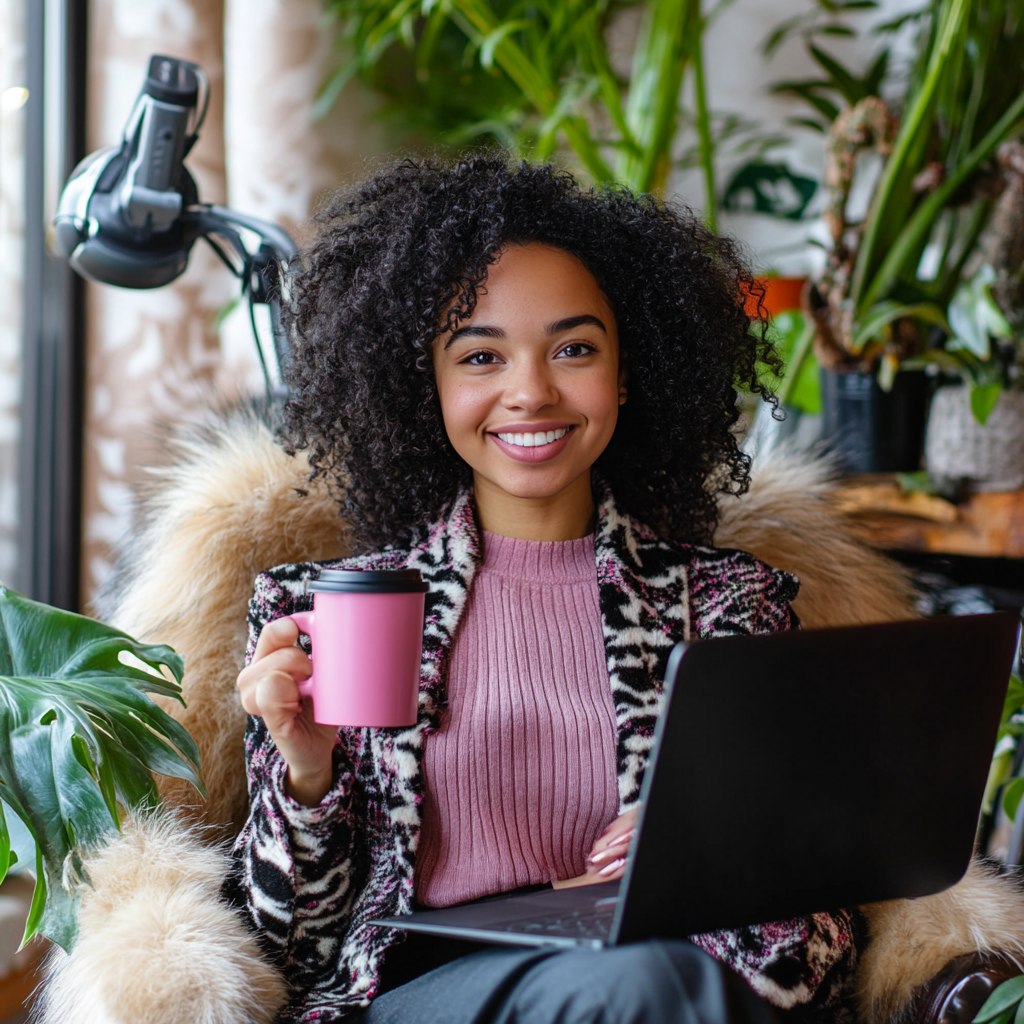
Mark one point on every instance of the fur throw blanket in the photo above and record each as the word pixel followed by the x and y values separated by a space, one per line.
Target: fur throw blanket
pixel 158 946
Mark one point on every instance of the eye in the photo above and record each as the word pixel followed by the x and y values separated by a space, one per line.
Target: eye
pixel 479 359
pixel 575 349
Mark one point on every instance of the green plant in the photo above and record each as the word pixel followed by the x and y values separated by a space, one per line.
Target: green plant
pixel 773 188
pixel 973 352
pixel 1008 738
pixel 936 188
pixel 836 83
pixel 537 74
pixel 1005 1004
pixel 792 333
pixel 79 740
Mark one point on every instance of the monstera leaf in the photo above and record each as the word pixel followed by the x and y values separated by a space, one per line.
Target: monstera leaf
pixel 79 739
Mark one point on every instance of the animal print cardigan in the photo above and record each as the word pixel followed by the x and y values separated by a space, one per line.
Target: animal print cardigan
pixel 311 878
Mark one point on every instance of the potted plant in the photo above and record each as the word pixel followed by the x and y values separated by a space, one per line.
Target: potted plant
pixel 79 741
pixel 890 277
pixel 976 425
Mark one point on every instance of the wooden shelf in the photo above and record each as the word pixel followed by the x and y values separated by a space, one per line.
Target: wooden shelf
pixel 988 525
pixel 17 986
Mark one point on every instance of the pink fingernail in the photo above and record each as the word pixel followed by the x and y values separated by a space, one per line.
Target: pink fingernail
pixel 610 869
pixel 624 838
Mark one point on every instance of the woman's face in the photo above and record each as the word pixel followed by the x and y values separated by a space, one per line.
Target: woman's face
pixel 530 385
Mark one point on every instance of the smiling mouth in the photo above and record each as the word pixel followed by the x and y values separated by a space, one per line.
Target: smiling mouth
pixel 535 440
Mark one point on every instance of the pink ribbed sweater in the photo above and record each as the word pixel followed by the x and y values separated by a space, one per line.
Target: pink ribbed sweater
pixel 520 778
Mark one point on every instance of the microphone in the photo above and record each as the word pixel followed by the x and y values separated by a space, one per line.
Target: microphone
pixel 130 214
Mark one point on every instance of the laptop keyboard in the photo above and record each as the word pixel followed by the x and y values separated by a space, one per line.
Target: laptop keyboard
pixel 583 924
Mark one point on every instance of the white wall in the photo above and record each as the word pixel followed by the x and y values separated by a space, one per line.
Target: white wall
pixel 738 81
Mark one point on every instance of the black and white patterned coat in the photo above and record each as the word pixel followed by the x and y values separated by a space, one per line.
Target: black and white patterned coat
pixel 312 877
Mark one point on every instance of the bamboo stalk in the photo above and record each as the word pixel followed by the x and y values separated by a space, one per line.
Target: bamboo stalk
pixel 659 62
pixel 900 166
pixel 707 142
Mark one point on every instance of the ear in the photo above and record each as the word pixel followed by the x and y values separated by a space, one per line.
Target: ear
pixel 623 392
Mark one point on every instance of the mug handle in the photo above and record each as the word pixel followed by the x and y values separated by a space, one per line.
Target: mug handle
pixel 304 620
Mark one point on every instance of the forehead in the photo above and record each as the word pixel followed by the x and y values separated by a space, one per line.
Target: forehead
pixel 539 280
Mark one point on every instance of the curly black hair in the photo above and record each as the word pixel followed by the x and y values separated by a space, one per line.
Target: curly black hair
pixel 398 250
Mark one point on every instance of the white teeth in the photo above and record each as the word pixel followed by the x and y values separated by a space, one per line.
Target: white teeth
pixel 534 440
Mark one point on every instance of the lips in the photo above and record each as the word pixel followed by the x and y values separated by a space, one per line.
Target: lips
pixel 516 444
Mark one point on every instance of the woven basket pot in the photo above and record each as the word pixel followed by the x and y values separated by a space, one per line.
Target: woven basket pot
pixel 958 447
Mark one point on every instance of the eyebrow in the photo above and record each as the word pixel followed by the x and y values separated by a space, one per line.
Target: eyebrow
pixel 557 327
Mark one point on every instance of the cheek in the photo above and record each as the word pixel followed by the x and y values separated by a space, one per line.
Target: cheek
pixel 464 407
pixel 598 399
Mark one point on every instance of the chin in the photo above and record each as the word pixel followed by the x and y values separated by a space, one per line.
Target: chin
pixel 532 485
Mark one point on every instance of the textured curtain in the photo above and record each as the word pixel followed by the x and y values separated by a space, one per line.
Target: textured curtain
pixel 12 239
pixel 161 358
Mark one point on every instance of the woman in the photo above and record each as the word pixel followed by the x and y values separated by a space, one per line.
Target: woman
pixel 527 392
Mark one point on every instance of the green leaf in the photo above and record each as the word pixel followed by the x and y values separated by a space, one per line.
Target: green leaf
pixel 33 924
pixel 983 400
pixel 492 39
pixel 1018 1017
pixel 770 188
pixel 1011 798
pixel 842 79
pixel 806 122
pixel 876 73
pixel 974 316
pixel 78 737
pixel 1014 700
pixel 808 91
pixel 1005 998
pixel 5 846
pixel 885 313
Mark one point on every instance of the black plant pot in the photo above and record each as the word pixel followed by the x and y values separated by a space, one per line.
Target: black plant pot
pixel 871 430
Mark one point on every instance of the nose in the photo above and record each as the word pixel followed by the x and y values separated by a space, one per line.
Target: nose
pixel 530 387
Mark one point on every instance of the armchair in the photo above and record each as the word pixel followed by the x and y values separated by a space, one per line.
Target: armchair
pixel 157 945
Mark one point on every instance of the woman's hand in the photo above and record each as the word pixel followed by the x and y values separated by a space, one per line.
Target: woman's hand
pixel 607 860
pixel 269 689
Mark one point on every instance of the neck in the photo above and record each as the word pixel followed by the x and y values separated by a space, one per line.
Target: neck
pixel 567 515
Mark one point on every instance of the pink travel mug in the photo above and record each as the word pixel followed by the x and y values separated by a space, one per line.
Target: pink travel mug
pixel 366 627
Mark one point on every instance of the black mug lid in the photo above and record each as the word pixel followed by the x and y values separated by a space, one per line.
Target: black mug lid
pixel 368 581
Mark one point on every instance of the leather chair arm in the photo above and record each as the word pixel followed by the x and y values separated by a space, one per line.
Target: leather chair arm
pixel 958 991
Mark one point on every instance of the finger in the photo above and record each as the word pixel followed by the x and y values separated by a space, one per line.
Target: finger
pixel 292 660
pixel 613 871
pixel 280 633
pixel 277 700
pixel 619 827
pixel 616 847
pixel 287 659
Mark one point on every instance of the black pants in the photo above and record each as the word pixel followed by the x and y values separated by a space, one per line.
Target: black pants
pixel 655 982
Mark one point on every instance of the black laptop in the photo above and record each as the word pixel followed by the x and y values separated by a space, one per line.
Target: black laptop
pixel 791 774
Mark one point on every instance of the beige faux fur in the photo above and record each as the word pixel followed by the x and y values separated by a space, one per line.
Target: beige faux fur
pixel 790 519
pixel 912 940
pixel 235 503
pixel 156 943
pixel 231 504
